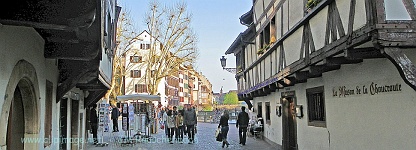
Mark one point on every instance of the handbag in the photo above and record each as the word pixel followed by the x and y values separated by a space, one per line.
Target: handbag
pixel 218 135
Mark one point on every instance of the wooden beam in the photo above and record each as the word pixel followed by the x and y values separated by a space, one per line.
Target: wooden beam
pixel 273 87
pixel 363 53
pixel 267 90
pixel 331 61
pixel 404 65
pixel 301 76
pixel 317 70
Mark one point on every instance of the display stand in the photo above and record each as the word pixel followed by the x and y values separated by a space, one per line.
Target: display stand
pixel 128 120
pixel 139 121
pixel 103 112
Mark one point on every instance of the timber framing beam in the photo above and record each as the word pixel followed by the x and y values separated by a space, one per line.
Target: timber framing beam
pixel 363 53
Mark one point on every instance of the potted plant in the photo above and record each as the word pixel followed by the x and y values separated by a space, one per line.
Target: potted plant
pixel 311 4
pixel 260 51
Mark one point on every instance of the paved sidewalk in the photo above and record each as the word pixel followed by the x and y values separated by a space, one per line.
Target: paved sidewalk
pixel 204 139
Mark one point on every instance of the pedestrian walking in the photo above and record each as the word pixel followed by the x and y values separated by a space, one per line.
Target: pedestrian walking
pixel 179 126
pixel 242 124
pixel 94 122
pixel 175 113
pixel 224 127
pixel 190 121
pixel 115 113
pixel 164 118
pixel 171 125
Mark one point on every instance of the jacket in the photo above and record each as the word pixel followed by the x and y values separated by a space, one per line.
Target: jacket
pixel 115 113
pixel 242 119
pixel 171 121
pixel 189 117
pixel 93 116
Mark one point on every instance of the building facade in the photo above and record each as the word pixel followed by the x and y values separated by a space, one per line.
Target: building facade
pixel 56 62
pixel 331 74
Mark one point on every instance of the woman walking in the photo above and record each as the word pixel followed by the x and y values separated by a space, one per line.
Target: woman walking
pixel 170 121
pixel 224 127
pixel 179 125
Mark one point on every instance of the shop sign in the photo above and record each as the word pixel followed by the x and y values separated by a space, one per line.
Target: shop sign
pixel 372 88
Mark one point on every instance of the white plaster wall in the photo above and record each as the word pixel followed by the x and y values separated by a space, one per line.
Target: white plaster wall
pixel 292 46
pixel 25 43
pixel 296 12
pixel 318 27
pixel 382 121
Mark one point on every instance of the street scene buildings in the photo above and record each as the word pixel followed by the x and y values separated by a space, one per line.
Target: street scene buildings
pixel 330 74
pixel 321 75
pixel 55 62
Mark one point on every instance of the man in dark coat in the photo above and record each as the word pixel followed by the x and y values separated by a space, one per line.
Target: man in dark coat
pixel 190 121
pixel 115 113
pixel 94 122
pixel 242 124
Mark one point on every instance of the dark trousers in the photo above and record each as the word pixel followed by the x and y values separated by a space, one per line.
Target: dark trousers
pixel 224 132
pixel 179 133
pixel 115 125
pixel 191 132
pixel 94 128
pixel 171 131
pixel 242 133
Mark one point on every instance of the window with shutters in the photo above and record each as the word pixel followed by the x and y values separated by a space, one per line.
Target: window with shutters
pixel 140 88
pixel 136 59
pixel 135 73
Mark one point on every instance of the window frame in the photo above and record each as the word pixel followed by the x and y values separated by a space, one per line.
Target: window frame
pixel 268 112
pixel 133 74
pixel 312 107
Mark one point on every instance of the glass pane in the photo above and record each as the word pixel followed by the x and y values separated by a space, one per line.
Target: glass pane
pixel 395 10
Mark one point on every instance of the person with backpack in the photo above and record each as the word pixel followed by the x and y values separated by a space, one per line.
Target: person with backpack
pixel 242 124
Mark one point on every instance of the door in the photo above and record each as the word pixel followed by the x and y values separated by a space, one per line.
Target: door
pixel 289 123
pixel 63 121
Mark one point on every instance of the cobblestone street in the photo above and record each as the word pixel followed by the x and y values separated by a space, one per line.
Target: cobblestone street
pixel 205 139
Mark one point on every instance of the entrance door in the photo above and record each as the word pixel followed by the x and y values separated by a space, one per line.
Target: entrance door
pixel 16 124
pixel 289 123
pixel 63 123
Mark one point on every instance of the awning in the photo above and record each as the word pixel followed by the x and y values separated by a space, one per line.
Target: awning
pixel 138 97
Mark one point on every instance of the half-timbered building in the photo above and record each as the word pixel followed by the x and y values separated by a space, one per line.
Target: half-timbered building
pixel 330 74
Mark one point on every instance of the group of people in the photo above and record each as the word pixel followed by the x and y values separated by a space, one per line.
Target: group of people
pixel 183 122
pixel 180 122
pixel 242 124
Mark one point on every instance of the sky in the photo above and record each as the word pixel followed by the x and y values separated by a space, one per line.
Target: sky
pixel 217 25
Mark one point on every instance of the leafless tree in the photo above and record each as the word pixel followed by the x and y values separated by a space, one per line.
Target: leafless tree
pixel 173 42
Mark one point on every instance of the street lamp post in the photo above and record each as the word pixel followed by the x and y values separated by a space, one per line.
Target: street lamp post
pixel 223 64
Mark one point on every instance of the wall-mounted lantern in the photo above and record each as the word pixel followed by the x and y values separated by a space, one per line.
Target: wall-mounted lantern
pixel 224 63
pixel 279 110
pixel 299 111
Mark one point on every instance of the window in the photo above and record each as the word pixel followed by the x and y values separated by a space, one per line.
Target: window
pixel 267 112
pixel 140 88
pixel 153 73
pixel 48 111
pixel 185 85
pixel 135 59
pixel 316 106
pixel 181 99
pixel 135 73
pixel 144 46
pixel 259 110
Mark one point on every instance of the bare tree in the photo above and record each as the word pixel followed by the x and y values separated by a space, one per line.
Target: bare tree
pixel 173 43
pixel 125 38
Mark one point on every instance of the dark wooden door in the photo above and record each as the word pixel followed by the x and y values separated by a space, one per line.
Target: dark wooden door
pixel 289 124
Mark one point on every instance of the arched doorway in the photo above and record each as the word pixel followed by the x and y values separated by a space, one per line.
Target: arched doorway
pixel 20 109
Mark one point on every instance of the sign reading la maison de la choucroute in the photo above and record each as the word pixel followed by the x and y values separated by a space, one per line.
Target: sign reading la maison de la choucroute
pixel 373 88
